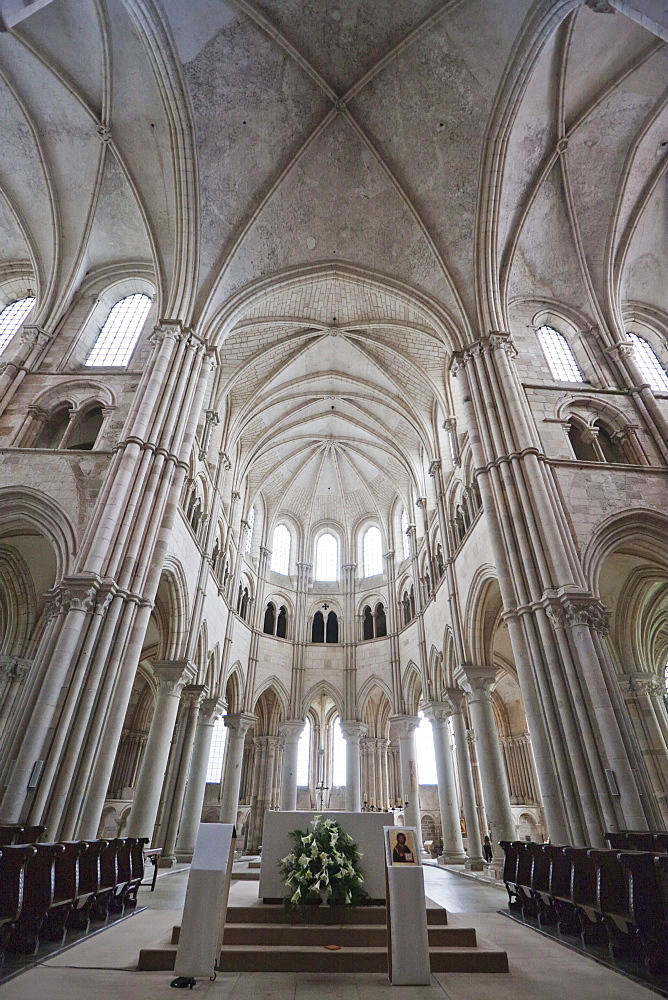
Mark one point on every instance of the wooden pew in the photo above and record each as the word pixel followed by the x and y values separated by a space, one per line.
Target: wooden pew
pixel 38 899
pixel 13 860
pixel 524 866
pixel 648 907
pixel 560 889
pixel 540 884
pixel 89 885
pixel 511 861
pixel 584 895
pixel 614 903
pixel 137 864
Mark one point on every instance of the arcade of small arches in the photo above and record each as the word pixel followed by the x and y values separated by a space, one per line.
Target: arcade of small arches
pixel 325 485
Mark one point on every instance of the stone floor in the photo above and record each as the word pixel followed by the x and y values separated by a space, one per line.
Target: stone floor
pixel 102 967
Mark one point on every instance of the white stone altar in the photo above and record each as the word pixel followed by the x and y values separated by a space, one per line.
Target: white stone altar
pixel 366 829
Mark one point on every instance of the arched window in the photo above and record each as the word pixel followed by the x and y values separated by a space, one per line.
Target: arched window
pixel 282 622
pixel 249 531
pixel 332 630
pixel 367 624
pixel 559 355
pixel 424 745
pixel 12 317
pixel 318 628
pixel 214 771
pixel 55 426
pixel 373 552
pixel 406 604
pixel 581 444
pixel 406 545
pixel 243 602
pixel 439 560
pixel 380 621
pixel 120 333
pixel 280 550
pixel 651 368
pixel 269 619
pixel 612 452
pixel 327 558
pixel 85 433
pixel 304 755
pixel 338 755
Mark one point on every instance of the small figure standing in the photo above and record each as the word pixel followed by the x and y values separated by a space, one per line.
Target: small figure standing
pixel 487 850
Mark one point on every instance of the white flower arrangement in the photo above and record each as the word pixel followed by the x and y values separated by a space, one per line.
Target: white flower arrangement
pixel 323 860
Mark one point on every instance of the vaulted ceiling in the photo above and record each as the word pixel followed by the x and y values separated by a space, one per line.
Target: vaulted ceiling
pixel 468 152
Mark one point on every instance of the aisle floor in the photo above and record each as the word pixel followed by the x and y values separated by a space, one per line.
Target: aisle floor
pixel 103 967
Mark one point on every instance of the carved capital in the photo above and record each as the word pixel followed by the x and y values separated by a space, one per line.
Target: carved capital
pixel 14 669
pixel 239 723
pixel 435 466
pixel 477 681
pixel 638 685
pixel 600 6
pixel 291 730
pixel 404 724
pixel 34 336
pixel 421 502
pixel 624 349
pixel 352 730
pixel 569 612
pixel 456 698
pixel 173 675
pixel 210 709
pixel 192 695
pixel 437 711
pixel 166 330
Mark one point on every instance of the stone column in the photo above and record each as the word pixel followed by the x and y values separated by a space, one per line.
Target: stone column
pixel 209 711
pixel 479 682
pixel 453 849
pixel 238 725
pixel 290 733
pixel 405 726
pixel 172 677
pixel 474 843
pixel 192 698
pixel 13 672
pixel 644 693
pixel 353 732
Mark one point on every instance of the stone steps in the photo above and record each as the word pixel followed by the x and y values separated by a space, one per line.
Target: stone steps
pixel 346 935
pixel 268 938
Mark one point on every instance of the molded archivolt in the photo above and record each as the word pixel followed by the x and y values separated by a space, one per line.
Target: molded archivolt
pixel 27 508
pixel 640 532
pixel 411 689
pixel 172 605
pixel 18 603
pixel 374 690
pixel 482 615
pixel 323 689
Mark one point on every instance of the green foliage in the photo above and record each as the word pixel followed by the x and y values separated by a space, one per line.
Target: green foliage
pixel 322 858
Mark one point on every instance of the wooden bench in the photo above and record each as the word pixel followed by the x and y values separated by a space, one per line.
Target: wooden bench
pixel 13 860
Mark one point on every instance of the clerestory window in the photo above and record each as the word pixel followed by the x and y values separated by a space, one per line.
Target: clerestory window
pixel 559 355
pixel 649 364
pixel 373 552
pixel 327 558
pixel 249 532
pixel 406 545
pixel 120 333
pixel 280 550
pixel 13 317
